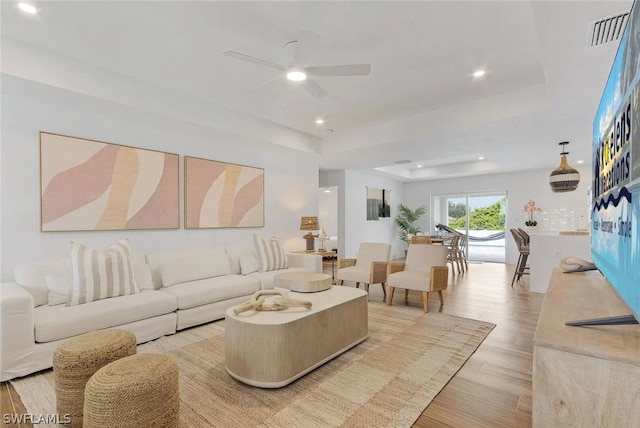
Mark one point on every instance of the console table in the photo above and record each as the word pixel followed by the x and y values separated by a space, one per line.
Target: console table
pixel 584 376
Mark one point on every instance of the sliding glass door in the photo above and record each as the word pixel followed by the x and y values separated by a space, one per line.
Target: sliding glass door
pixel 481 216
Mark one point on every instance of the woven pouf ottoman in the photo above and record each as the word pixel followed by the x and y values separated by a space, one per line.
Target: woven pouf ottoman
pixel 137 391
pixel 77 359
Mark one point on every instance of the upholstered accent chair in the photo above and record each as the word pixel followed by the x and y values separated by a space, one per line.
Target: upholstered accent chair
pixel 370 267
pixel 425 269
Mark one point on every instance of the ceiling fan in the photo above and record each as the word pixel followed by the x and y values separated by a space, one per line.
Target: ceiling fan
pixel 298 53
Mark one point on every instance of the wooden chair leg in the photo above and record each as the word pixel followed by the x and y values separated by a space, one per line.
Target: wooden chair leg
pixel 384 290
pixel 366 287
pixel 406 293
pixel 357 285
pixel 339 282
pixel 390 298
pixel 441 297
pixel 425 301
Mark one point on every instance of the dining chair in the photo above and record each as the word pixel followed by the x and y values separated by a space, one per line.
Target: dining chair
pixel 424 269
pixel 421 239
pixel 453 254
pixel 370 266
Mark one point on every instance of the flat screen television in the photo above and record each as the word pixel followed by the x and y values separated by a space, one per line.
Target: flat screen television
pixel 615 239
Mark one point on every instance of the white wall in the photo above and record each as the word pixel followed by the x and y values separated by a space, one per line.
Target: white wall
pixel 291 176
pixel 560 210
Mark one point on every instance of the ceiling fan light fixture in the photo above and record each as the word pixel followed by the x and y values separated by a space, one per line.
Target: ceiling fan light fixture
pixel 296 75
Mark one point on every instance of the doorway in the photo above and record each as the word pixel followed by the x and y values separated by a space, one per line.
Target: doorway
pixel 482 216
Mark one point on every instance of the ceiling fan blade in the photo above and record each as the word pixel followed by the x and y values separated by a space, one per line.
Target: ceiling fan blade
pixel 314 89
pixel 305 47
pixel 248 58
pixel 339 70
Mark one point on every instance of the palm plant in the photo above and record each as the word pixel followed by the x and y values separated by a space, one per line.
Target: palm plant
pixel 406 218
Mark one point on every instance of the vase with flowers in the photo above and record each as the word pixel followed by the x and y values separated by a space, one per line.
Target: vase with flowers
pixel 530 207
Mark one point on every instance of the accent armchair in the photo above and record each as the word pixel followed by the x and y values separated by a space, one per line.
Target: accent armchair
pixel 425 269
pixel 370 267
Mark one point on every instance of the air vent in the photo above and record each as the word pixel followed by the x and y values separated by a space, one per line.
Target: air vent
pixel 606 30
pixel 400 162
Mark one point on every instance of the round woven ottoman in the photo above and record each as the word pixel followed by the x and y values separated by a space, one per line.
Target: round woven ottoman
pixel 137 391
pixel 77 359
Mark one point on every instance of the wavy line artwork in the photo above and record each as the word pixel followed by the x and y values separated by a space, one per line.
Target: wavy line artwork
pixel 219 194
pixel 91 185
pixel 615 201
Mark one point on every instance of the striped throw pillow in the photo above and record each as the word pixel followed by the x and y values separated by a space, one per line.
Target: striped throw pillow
pixel 271 255
pixel 101 274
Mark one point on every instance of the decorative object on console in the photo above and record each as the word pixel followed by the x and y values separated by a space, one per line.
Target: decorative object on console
pixel 219 194
pixel 309 224
pixel 530 208
pixel 322 237
pixel 564 178
pixel 91 185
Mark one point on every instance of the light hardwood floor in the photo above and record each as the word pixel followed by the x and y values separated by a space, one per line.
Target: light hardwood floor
pixel 493 389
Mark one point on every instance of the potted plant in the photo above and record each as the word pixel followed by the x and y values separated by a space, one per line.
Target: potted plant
pixel 531 208
pixel 406 218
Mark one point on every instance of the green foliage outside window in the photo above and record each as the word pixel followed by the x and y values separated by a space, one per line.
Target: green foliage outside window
pixel 482 218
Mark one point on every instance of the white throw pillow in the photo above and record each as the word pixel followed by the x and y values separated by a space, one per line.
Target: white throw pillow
pixel 101 274
pixel 193 266
pixel 142 272
pixel 59 287
pixel 271 254
pixel 248 264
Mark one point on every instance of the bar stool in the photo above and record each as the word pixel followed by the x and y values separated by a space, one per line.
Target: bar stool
pixel 521 266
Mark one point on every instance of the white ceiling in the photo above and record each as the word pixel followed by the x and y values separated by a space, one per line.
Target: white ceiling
pixel 419 103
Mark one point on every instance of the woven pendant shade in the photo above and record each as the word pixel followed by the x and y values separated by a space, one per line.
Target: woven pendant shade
pixel 564 178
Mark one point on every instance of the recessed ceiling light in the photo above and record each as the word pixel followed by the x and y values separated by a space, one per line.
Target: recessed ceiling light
pixel 480 157
pixel 419 166
pixel 26 7
pixel 478 73
pixel 319 121
pixel 296 75
pixel 580 161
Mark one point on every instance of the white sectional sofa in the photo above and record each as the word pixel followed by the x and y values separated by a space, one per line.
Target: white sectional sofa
pixel 176 290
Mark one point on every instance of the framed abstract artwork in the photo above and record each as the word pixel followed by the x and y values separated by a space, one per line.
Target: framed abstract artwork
pixel 219 194
pixel 92 185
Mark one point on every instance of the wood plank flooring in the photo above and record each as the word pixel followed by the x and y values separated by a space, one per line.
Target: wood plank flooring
pixel 493 389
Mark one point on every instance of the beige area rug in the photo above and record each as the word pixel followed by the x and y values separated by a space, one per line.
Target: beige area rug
pixel 387 380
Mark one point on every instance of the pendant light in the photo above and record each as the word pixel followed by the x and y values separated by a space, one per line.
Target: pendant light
pixel 564 178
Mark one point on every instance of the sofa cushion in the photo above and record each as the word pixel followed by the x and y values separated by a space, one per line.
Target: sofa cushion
pixel 204 291
pixel 101 274
pixel 60 322
pixel 270 254
pixel 235 252
pixel 32 277
pixel 142 271
pixel 178 267
pixel 248 264
pixel 59 287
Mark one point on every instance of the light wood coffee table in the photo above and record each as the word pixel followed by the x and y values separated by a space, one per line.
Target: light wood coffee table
pixel 271 349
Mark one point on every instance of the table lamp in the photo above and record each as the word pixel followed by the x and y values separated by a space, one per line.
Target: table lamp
pixel 309 224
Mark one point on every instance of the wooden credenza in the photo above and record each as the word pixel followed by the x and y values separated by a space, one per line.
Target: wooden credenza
pixel 584 376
